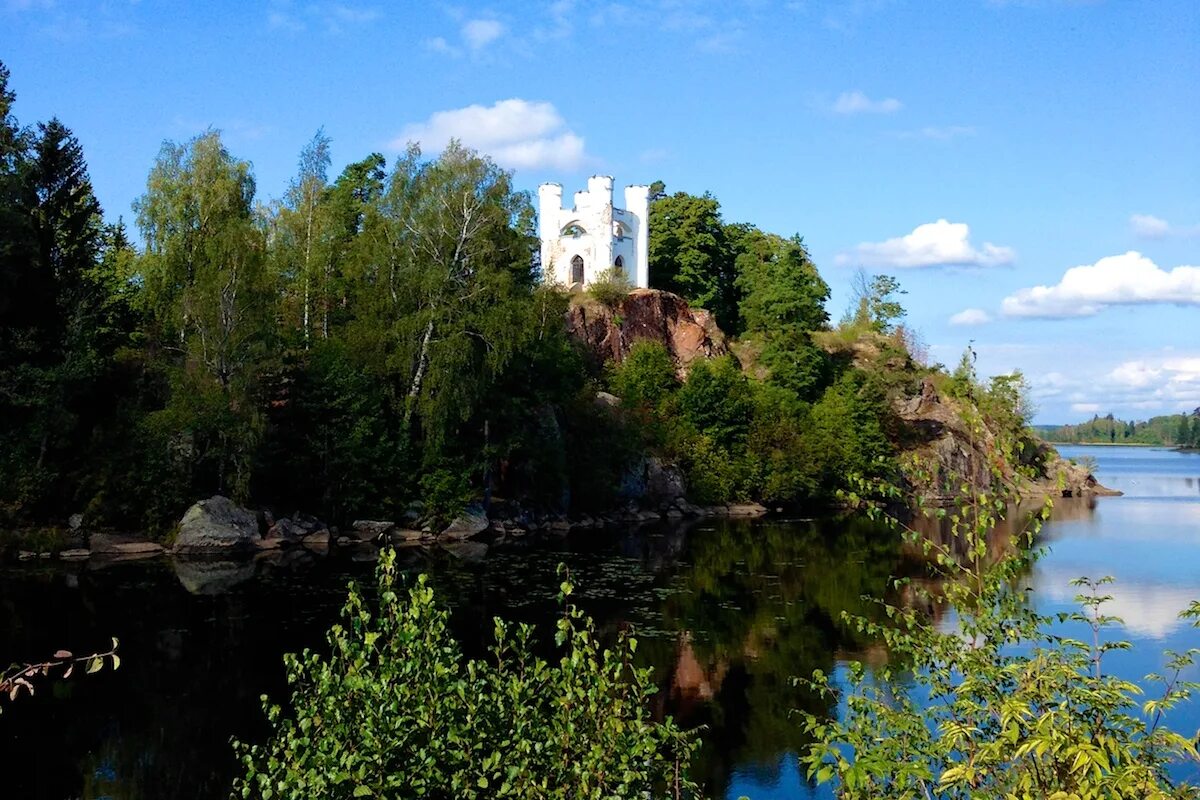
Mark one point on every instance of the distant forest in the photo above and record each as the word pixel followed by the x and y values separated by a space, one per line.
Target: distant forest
pixel 1174 430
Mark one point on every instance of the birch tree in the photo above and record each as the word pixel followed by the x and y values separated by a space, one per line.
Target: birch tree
pixel 207 291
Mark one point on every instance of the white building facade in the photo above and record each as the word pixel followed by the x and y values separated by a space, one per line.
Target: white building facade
pixel 580 242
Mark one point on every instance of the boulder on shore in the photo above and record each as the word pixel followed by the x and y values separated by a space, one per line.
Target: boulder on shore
pixel 111 545
pixel 217 525
pixel 369 530
pixel 471 522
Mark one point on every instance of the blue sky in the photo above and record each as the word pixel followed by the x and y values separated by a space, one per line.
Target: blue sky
pixel 976 149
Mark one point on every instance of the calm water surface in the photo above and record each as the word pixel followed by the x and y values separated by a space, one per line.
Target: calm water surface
pixel 727 613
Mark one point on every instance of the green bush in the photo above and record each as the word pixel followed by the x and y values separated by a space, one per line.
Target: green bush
pixel 610 287
pixel 395 711
pixel 717 400
pixel 1003 703
pixel 645 378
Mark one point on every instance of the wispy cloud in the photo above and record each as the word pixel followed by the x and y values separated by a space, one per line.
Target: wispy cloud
pixel 1128 279
pixel 971 316
pixel 73 21
pixel 332 17
pixel 479 33
pixel 934 244
pixel 231 129
pixel 519 134
pixel 938 133
pixel 475 36
pixel 856 102
pixel 1148 226
pixel 17 6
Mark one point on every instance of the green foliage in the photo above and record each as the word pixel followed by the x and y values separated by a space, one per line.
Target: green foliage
pixel 59 328
pixel 691 256
pixel 783 302
pixel 645 378
pixel 874 304
pixel 717 401
pixel 209 298
pixel 379 338
pixel 445 491
pixel 397 711
pixel 610 287
pixel 845 428
pixel 1005 702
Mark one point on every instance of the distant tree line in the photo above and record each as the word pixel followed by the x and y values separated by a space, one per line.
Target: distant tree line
pixel 1172 430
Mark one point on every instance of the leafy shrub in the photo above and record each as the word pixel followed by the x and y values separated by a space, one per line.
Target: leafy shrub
pixel 610 287
pixel 395 711
pixel 645 378
pixel 717 401
pixel 1005 704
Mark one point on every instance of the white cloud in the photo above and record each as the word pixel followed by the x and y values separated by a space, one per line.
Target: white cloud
pixel 282 20
pixel 1144 608
pixel 1129 279
pixel 971 316
pixel 1148 226
pixel 858 103
pixel 1135 374
pixel 517 133
pixel 1085 408
pixel 1162 383
pixel 479 33
pixel 934 244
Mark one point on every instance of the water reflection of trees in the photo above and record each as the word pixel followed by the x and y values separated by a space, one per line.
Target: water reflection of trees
pixel 192 670
pixel 755 605
pixel 729 612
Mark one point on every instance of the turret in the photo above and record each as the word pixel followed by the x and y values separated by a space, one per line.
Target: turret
pixel 600 187
pixel 549 206
pixel 637 203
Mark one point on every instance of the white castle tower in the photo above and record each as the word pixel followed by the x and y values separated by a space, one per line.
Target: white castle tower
pixel 581 242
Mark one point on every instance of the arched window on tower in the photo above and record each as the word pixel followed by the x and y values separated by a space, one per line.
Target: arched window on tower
pixel 619 263
pixel 577 270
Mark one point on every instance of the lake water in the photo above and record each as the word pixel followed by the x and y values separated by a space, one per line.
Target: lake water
pixel 727 613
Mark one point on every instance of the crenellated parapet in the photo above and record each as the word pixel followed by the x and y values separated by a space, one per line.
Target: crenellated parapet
pixel 593 235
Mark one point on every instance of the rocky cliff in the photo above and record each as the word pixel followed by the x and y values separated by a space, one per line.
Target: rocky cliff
pixel 952 451
pixel 608 332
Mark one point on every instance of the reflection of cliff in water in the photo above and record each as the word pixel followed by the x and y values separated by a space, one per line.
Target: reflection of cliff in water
pixel 757 605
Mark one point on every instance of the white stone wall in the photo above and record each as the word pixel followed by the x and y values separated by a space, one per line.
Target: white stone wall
pixel 595 231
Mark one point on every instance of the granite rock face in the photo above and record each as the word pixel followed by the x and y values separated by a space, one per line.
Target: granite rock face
pixel 646 314
pixel 217 525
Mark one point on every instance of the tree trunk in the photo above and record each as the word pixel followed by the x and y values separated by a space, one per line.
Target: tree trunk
pixel 414 390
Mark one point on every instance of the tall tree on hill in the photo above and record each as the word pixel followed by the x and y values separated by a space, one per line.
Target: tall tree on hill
pixel 300 241
pixel 783 302
pixel 442 284
pixel 690 254
pixel 209 298
pixel 874 302
pixel 349 203
pixel 50 351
